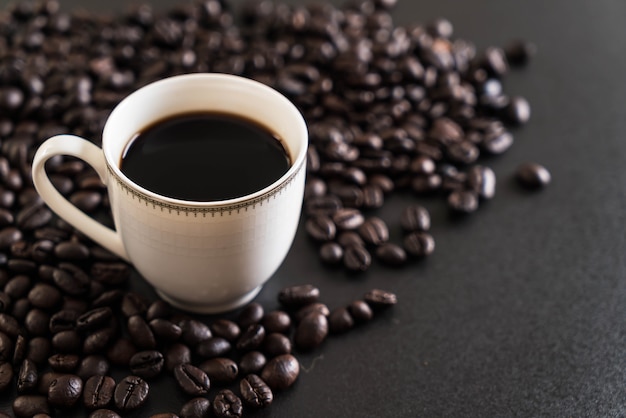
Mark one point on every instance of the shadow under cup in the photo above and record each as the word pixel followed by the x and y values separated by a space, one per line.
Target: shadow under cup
pixel 206 256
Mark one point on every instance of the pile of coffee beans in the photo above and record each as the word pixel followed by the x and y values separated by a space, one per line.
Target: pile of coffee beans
pixel 390 108
pixel 60 355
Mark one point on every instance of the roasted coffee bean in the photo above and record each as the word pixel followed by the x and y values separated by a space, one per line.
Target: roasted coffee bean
pixel 226 329
pixel 463 152
pixel 419 244
pixel 140 333
pixel 423 165
pixel 348 219
pixel 146 364
pixel 86 200
pixel 99 340
pixel 98 391
pixel 63 320
pixel 164 415
pixel 356 258
pixel 19 265
pixel 311 308
pixel 30 405
pixel 463 201
pixel 347 238
pixel 29 200
pixel 6 217
pixel 360 311
pixel 104 413
pixel 340 320
pixel 252 362
pixel 159 309
pixel 227 405
pixel 213 347
pixel 18 286
pixel 38 350
pixel 194 332
pixel 195 408
pixel 321 228
pixel 19 349
pixel 133 304
pixel 6 347
pixel 192 380
pixel 298 295
pixel 331 253
pixel 7 198
pixel 378 299
pixel 314 206
pixel 220 369
pixel 9 236
pixel 19 310
pixel 94 319
pixel 373 197
pixel 93 365
pixel 255 392
pixel 45 272
pixel 114 274
pixel 315 187
pixel 62 183
pixel 281 372
pixel 130 393
pixel 519 52
pixel 71 279
pixel 391 254
pixel 74 304
pixel 71 250
pixel 482 180
pixel 425 184
pixel 36 322
pixel 63 363
pixel 9 325
pixel 5 302
pixel 67 341
pixel 110 298
pixel 384 183
pixel 276 344
pixel 44 381
pixel 177 354
pixel 250 314
pixel 33 216
pixel 311 331
pixel 65 391
pixel 6 375
pixel 27 377
pixel 13 180
pixel 517 112
pixel 120 352
pixel 165 330
pixel 532 175
pixel 44 296
pixel 497 143
pixel 52 234
pixel 374 231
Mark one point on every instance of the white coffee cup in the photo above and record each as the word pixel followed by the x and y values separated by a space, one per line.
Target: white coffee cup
pixel 203 257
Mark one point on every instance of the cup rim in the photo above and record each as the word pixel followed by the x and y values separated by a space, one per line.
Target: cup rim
pixel 237 202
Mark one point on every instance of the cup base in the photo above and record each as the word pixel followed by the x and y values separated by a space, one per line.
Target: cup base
pixel 211 309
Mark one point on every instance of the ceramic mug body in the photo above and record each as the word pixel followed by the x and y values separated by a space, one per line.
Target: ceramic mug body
pixel 200 256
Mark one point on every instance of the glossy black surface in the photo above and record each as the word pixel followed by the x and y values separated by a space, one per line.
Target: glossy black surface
pixel 521 310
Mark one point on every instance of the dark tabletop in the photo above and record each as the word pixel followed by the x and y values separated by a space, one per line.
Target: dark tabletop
pixel 521 310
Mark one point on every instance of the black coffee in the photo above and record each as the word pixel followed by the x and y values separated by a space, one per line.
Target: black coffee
pixel 205 157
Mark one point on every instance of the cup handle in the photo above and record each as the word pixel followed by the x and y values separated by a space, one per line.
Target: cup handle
pixel 92 155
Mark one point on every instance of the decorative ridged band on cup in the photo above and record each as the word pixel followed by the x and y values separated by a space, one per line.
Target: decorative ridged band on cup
pixel 204 211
